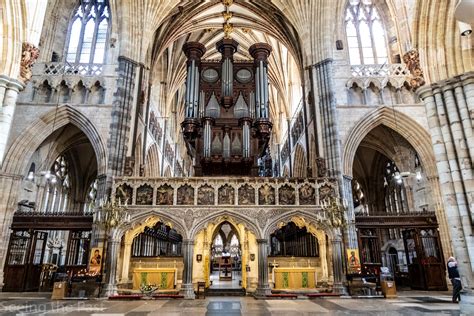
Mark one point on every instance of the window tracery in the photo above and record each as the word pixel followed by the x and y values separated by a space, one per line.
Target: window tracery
pixel 365 34
pixel 58 187
pixel 88 32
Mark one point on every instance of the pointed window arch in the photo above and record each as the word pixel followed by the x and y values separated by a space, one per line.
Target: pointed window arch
pixel 365 33
pixel 88 32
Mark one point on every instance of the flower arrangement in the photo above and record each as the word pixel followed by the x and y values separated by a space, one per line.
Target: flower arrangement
pixel 148 289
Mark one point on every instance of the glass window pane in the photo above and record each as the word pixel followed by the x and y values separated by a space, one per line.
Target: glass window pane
pixel 87 42
pixel 74 40
pixel 100 42
pixel 354 56
pixel 365 39
pixel 352 42
pixel 350 29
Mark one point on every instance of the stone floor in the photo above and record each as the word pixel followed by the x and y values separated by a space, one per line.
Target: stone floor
pixel 408 303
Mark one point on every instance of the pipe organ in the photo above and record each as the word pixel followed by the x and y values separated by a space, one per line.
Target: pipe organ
pixel 227 125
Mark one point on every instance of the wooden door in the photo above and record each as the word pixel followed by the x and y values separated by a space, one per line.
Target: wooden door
pixel 432 259
pixel 16 264
pixel 412 251
pixel 424 257
pixel 35 264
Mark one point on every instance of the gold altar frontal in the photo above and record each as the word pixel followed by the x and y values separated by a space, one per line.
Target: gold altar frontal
pixel 294 278
pixel 165 278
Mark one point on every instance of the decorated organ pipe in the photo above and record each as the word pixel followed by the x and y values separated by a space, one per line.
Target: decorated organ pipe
pixel 260 53
pixel 227 126
pixel 193 51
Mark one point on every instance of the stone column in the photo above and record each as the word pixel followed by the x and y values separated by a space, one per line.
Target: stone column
pixel 110 286
pixel 127 252
pixel 263 289
pixel 451 185
pixel 9 89
pixel 350 231
pixel 324 259
pixel 338 264
pixel 187 287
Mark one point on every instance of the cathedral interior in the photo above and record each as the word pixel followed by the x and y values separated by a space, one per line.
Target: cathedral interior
pixel 235 146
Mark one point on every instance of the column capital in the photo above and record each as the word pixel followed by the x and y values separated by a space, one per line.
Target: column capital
pixel 11 83
pixel 262 241
pixel 424 92
pixel 188 241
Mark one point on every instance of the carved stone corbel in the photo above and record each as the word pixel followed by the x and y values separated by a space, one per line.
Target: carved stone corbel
pixel 412 60
pixel 29 55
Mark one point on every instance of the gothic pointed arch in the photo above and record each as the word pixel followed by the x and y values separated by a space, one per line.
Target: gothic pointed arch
pixel 31 138
pixel 221 216
pixel 299 164
pixel 408 128
pixel 152 162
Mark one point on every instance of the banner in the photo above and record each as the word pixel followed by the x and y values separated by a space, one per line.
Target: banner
pixel 95 261
pixel 353 260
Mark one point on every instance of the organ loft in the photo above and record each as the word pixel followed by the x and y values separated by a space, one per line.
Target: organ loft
pixel 226 126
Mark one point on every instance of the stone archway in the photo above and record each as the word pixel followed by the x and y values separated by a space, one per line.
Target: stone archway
pixel 409 129
pixel 316 228
pixel 31 138
pixel 248 234
pixel 129 232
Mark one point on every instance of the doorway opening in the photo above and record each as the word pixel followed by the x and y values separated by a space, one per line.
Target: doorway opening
pixel 226 258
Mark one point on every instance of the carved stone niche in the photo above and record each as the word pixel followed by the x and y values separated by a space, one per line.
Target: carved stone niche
pixel 205 195
pixel 185 195
pixel 144 195
pixel 286 195
pixel 226 195
pixel 124 193
pixel 307 195
pixel 326 192
pixel 246 195
pixel 266 195
pixel 164 195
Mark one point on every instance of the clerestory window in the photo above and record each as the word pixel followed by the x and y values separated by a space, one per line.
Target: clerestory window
pixel 365 34
pixel 88 32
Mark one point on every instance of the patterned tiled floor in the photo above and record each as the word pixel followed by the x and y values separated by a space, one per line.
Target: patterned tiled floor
pixel 409 303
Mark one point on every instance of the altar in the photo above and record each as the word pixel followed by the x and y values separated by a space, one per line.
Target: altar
pixel 165 278
pixel 294 278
